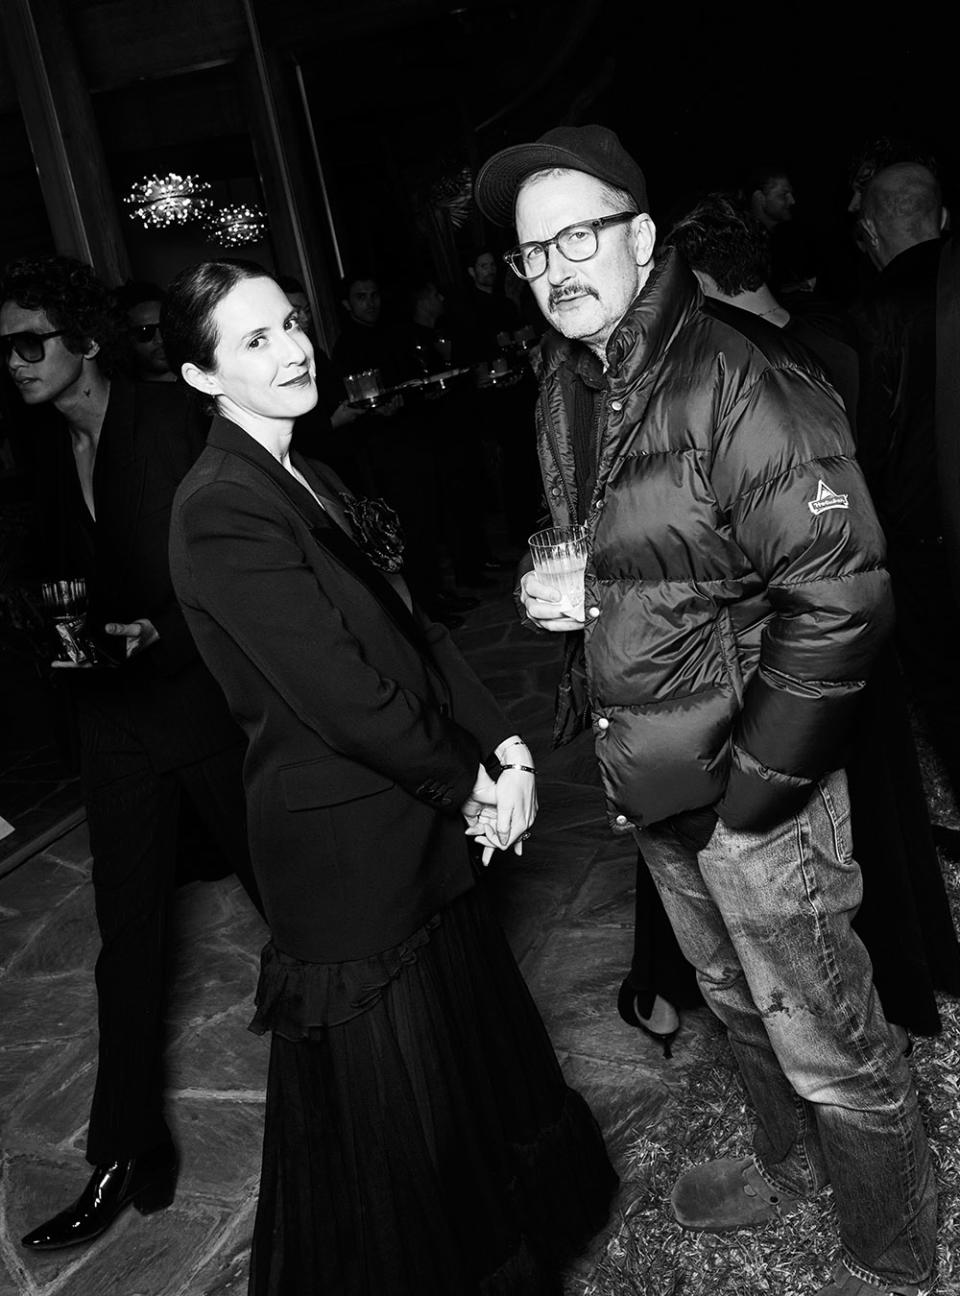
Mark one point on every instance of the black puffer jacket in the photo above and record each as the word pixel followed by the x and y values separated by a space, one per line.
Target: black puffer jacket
pixel 736 594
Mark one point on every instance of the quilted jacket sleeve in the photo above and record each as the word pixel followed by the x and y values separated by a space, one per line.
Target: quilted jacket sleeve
pixel 798 507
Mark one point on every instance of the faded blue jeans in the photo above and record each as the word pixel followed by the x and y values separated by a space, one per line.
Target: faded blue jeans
pixel 764 917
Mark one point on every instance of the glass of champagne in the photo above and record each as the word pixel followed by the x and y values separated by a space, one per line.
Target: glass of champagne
pixel 560 559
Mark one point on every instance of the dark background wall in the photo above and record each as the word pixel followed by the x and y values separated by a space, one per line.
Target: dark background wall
pixel 400 94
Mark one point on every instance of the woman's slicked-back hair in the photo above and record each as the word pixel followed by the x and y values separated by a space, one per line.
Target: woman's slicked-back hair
pixel 186 319
pixel 73 299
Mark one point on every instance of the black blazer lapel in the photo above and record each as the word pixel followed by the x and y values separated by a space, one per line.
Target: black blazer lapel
pixel 225 435
pixel 118 482
pixel 329 495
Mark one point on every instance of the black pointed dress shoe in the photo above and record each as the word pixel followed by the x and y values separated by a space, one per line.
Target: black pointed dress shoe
pixel 147 1181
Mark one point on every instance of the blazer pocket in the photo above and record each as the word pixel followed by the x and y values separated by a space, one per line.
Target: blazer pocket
pixel 329 781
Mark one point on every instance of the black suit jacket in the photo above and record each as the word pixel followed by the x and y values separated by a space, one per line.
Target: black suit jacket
pixel 365 726
pixel 151 434
pixel 896 442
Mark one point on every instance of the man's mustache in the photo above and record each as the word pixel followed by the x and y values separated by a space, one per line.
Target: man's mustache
pixel 570 290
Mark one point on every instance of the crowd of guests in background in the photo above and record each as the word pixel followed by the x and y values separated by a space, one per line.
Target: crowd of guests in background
pixel 445 438
pixel 449 456
pixel 443 443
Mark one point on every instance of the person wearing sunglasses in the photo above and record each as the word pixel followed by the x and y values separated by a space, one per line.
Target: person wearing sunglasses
pixel 158 748
pixel 141 303
pixel 735 600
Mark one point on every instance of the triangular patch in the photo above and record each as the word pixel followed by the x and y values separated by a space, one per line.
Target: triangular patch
pixel 827 499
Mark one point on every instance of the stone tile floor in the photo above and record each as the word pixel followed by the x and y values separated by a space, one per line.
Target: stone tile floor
pixel 567 907
pixel 38 787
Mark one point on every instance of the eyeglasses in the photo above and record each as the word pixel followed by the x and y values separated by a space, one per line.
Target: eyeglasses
pixel 575 242
pixel 28 346
pixel 143 332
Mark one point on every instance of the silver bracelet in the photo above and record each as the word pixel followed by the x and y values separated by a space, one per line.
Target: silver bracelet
pixel 527 769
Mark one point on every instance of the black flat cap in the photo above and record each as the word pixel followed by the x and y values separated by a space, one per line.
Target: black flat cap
pixel 593 149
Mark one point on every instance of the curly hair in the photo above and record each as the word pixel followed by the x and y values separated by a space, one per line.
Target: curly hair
pixel 726 242
pixel 74 300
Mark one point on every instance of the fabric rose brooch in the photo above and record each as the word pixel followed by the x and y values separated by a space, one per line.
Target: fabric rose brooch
pixel 377 530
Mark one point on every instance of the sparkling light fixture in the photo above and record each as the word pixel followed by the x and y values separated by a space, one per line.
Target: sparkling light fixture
pixel 162 201
pixel 236 224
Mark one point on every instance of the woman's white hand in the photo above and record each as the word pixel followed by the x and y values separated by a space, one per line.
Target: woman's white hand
pixel 498 814
pixel 516 807
pixel 517 796
pixel 479 807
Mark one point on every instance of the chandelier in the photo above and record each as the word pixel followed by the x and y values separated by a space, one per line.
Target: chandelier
pixel 235 225
pixel 162 201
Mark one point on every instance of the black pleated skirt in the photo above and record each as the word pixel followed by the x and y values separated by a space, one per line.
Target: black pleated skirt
pixel 420 1139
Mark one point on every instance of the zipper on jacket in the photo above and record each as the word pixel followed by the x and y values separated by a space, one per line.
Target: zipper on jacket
pixel 599 418
pixel 555 451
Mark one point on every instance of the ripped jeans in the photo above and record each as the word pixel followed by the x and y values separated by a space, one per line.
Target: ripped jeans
pixel 765 919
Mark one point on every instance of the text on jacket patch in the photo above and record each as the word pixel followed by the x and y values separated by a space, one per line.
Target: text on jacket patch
pixel 826 499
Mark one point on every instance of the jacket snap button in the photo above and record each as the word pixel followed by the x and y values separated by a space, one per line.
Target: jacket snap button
pixel 594 612
pixel 621 819
pixel 616 405
pixel 555 491
pixel 603 723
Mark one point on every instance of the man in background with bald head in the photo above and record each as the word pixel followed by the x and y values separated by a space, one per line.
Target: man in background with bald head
pixel 901 222
pixel 901 209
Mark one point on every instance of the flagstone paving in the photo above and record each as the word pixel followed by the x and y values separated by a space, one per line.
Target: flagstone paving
pixel 567 906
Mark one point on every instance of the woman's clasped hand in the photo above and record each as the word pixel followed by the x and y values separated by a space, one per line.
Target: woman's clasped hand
pixel 500 813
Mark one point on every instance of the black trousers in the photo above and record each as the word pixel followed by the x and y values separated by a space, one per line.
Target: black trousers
pixel 133 813
pixel 928 643
pixel 658 966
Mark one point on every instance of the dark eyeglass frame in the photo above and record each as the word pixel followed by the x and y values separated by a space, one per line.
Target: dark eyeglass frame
pixel 143 332
pixel 14 341
pixel 514 258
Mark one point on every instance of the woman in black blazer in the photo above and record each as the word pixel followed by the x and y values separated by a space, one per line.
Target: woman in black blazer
pixel 419 1136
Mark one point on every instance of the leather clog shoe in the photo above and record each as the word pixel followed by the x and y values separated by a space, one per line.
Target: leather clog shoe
pixel 847 1284
pixel 726 1194
pixel 148 1182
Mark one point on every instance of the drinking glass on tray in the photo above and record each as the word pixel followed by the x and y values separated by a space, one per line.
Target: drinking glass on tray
pixel 364 388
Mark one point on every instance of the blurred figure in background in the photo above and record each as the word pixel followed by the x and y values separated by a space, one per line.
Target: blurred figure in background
pixel 728 250
pixel 141 304
pixel 901 218
pixel 157 743
pixel 905 919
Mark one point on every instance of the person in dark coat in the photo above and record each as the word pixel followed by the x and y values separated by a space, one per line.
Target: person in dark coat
pixel 904 920
pixel 734 601
pixel 901 218
pixel 419 1136
pixel 156 739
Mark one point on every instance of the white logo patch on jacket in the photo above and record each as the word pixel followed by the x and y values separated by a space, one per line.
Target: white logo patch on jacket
pixel 827 499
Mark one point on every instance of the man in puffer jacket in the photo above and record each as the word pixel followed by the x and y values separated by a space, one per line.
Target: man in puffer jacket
pixel 735 600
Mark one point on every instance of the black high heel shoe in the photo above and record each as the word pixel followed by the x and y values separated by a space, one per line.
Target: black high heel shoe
pixel 627 1008
pixel 147 1182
